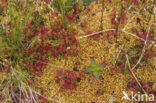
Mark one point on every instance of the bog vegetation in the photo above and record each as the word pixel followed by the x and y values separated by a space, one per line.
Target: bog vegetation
pixel 76 51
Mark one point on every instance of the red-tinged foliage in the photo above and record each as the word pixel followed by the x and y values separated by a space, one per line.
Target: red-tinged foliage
pixel 88 32
pixel 113 16
pixel 120 20
pixel 133 86
pixel 29 26
pixel 96 36
pixel 122 67
pixel 67 45
pixel 67 79
pixel 4 1
pixel 135 2
pixel 109 1
pixel 3 68
pixel 105 37
pixel 149 53
pixel 77 9
pixel 88 10
pixel 123 17
pixel 53 14
pixel 143 34
pixel 43 100
pixel 70 17
pixel 47 1
pixel 138 20
pixel 83 24
pixel 112 32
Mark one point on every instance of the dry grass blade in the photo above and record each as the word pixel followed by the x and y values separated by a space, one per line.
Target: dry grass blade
pixel 95 33
pixel 134 74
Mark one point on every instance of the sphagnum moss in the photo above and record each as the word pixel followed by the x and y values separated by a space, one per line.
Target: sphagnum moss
pixel 101 50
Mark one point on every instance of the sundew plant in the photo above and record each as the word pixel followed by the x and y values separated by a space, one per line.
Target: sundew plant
pixel 77 51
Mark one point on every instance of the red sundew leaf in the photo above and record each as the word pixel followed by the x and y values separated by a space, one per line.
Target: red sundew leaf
pixel 146 87
pixel 123 17
pixel 69 85
pixel 5 69
pixel 109 1
pixel 34 33
pixel 152 55
pixel 39 73
pixel 153 92
pixel 57 79
pixel 64 36
pixel 53 30
pixel 61 90
pixel 88 10
pixel 60 72
pixel 29 25
pixel 38 65
pixel 53 14
pixel 113 16
pixel 88 32
pixel 122 67
pixel 67 72
pixel 4 1
pixel 72 86
pixel 83 24
pixel 105 37
pixel 61 27
pixel 43 30
pixel 77 63
pixel 55 54
pixel 66 55
pixel 97 36
pixel 68 79
pixel 70 17
pixel 43 100
pixel 73 75
pixel 80 74
pixel 135 2
pixel 48 47
pixel 47 1
pixel 29 82
pixel 133 89
pixel 138 20
pixel 77 10
pixel 112 32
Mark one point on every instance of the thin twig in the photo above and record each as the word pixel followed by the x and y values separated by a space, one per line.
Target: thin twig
pixel 144 48
pixel 132 34
pixel 85 36
pixel 112 98
pixel 127 57
pixel 49 99
pixel 145 42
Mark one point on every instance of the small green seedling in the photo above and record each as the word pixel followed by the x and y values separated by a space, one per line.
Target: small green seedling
pixel 94 68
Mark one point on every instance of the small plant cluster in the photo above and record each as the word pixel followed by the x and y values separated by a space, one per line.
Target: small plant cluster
pixel 133 86
pixel 54 42
pixel 68 79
